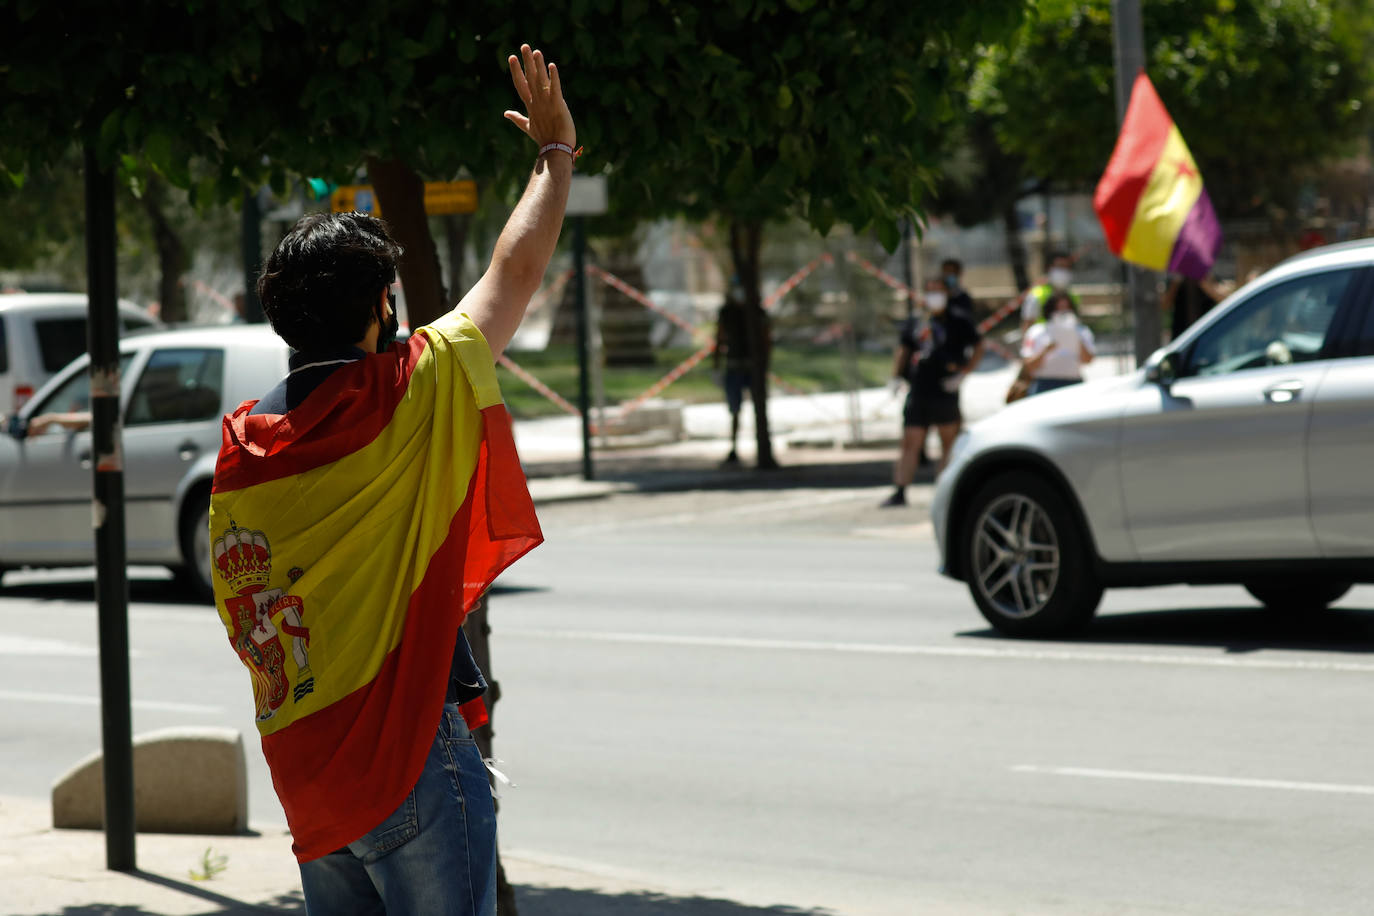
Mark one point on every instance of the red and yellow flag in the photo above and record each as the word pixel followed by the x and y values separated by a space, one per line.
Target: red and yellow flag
pixel 351 536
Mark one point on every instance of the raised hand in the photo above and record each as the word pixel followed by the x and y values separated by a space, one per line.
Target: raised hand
pixel 548 119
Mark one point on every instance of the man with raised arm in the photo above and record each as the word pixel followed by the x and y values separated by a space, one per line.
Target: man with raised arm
pixel 360 509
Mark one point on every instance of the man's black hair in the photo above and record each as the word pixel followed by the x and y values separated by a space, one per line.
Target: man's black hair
pixel 957 264
pixel 321 286
pixel 1059 254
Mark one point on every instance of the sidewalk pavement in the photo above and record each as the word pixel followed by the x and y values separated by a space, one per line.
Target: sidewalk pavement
pixel 49 872
pixel 832 428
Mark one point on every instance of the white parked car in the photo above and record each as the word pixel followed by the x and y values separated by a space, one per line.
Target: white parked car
pixel 177 387
pixel 1243 452
pixel 42 332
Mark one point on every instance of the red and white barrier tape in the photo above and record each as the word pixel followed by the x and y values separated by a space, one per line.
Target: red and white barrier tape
pixel 612 280
pixel 887 278
pixel 537 385
pixel 678 372
pixel 795 280
pixel 996 317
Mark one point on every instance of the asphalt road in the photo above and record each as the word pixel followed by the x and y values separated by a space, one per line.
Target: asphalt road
pixel 769 695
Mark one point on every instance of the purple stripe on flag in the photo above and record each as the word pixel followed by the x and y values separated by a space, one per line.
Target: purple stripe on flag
pixel 1195 249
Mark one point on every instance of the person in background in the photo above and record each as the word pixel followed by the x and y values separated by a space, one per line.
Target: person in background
pixel 934 360
pixel 732 346
pixel 1056 348
pixel 1187 300
pixel 1058 280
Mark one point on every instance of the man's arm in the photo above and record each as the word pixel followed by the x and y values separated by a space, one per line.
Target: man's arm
pixel 497 302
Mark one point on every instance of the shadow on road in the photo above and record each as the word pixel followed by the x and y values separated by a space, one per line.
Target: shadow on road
pixel 558 901
pixel 1234 629
pixel 81 587
pixel 218 904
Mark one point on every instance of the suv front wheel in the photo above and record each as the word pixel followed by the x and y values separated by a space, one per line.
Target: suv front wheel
pixel 1030 568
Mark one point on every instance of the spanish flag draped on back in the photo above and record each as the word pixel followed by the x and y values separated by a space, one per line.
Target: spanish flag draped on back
pixel 1150 201
pixel 351 536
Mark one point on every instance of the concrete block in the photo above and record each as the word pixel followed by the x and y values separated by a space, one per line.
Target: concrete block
pixel 186 780
pixel 654 415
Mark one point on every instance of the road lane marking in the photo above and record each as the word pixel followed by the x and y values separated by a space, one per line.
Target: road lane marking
pixel 810 500
pixel 718 583
pixel 1016 654
pixel 1191 779
pixel 25 696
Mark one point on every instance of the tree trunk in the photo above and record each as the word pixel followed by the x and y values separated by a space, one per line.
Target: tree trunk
pixel 171 253
pixel 746 240
pixel 402 196
pixel 1016 248
pixel 456 234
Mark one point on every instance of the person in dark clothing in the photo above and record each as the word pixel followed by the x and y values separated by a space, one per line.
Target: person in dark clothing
pixel 732 347
pixel 1187 300
pixel 933 358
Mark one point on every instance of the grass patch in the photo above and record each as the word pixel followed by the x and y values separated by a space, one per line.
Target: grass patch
pixel 810 369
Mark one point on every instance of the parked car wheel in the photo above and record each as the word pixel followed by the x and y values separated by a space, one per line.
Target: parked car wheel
pixel 197 571
pixel 1030 567
pixel 1297 594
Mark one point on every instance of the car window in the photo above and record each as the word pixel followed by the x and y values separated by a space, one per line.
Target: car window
pixel 60 340
pixel 134 323
pixel 74 395
pixel 181 384
pixel 1362 327
pixel 1286 323
pixel 4 348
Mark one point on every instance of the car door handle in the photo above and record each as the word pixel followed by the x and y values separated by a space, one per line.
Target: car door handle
pixel 1283 392
pixel 188 450
pixel 84 456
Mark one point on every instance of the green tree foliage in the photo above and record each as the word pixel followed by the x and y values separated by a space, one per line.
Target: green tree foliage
pixel 1259 88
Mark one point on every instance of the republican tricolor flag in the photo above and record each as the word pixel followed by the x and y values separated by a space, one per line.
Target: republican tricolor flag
pixel 1150 201
pixel 350 536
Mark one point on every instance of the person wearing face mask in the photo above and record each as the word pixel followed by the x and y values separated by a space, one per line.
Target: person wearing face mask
pixel 360 510
pixel 960 302
pixel 933 359
pixel 1057 347
pixel 1059 279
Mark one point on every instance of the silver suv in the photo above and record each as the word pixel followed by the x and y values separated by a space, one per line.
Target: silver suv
pixel 1243 452
pixel 42 332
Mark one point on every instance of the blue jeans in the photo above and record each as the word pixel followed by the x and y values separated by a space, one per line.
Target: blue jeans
pixel 434 856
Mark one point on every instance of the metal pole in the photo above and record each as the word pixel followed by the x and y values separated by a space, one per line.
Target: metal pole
pixel 1129 43
pixel 111 585
pixel 584 400
pixel 252 257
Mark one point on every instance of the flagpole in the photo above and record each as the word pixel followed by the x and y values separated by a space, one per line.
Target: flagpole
pixel 1129 44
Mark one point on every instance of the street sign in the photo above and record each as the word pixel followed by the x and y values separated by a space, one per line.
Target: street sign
pixel 587 196
pixel 440 197
pixel 450 197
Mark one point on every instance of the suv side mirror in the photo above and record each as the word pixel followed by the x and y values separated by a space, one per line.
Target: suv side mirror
pixel 1162 369
pixel 17 427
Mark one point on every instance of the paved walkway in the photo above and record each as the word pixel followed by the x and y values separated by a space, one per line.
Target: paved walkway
pixel 47 872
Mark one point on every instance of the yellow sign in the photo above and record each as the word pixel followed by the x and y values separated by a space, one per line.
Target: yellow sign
pixel 450 197
pixel 440 197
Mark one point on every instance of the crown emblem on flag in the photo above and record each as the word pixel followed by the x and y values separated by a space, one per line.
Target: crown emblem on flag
pixel 243 558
